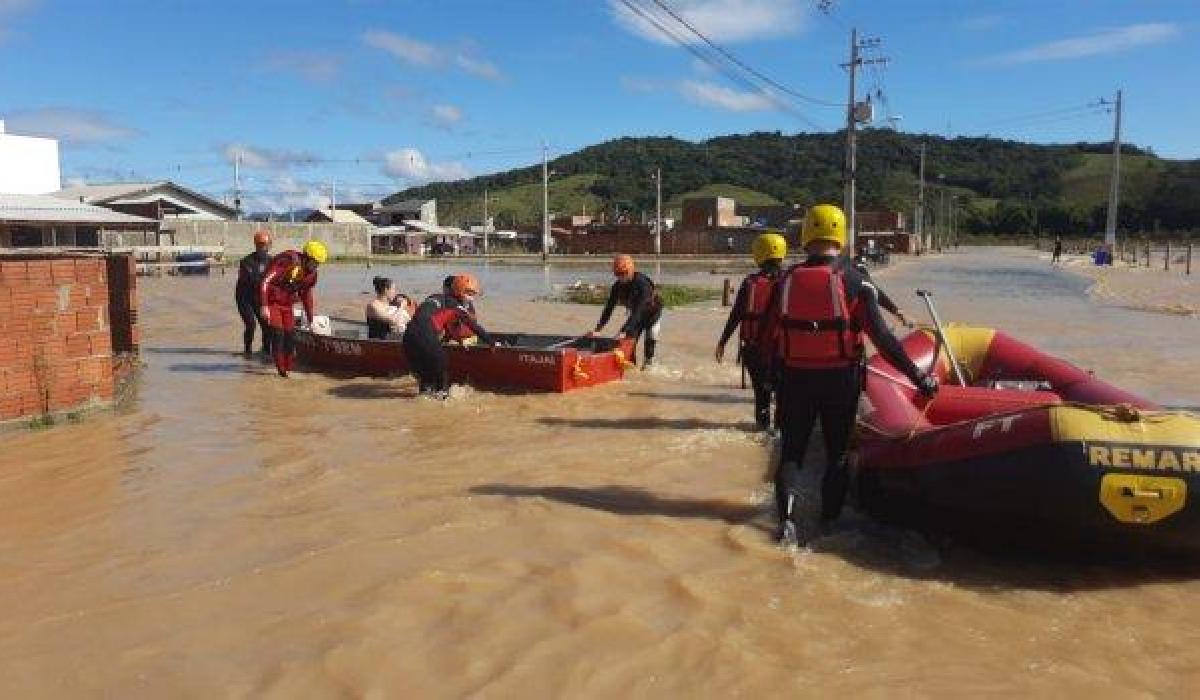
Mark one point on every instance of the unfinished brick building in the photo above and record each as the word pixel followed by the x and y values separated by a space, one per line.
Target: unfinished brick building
pixel 68 331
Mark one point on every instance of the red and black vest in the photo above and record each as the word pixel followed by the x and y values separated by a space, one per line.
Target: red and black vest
pixel 754 306
pixel 818 327
pixel 447 317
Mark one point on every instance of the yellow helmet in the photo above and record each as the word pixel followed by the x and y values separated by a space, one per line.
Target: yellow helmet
pixel 824 222
pixel 317 251
pixel 768 246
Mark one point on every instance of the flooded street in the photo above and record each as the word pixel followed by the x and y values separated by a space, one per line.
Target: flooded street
pixel 228 533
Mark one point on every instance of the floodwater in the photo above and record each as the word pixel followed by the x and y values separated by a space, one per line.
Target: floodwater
pixel 229 533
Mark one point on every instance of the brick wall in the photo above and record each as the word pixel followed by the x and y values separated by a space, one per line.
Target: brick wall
pixel 637 240
pixel 56 341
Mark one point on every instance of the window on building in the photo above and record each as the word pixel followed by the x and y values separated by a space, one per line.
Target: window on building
pixel 26 237
pixel 87 236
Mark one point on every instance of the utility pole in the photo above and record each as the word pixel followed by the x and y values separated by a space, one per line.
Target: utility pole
pixel 919 219
pixel 1114 192
pixel 237 184
pixel 658 211
pixel 545 202
pixel 853 116
pixel 485 222
pixel 332 196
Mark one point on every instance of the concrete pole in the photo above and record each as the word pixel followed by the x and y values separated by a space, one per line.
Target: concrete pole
pixel 485 222
pixel 851 147
pixel 658 211
pixel 1114 193
pixel 545 203
pixel 919 215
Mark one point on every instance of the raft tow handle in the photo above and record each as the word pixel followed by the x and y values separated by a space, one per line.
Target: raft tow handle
pixel 927 297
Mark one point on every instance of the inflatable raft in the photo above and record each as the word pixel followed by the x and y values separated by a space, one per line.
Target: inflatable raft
pixel 1032 450
pixel 524 361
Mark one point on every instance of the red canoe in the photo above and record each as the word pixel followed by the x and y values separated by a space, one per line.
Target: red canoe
pixel 1032 450
pixel 524 361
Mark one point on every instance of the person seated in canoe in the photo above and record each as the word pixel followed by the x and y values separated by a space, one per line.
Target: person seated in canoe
pixel 427 357
pixel 289 279
pixel 818 318
pixel 458 331
pixel 388 313
pixel 769 250
pixel 637 293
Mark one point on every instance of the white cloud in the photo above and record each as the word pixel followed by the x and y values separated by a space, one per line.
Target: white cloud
pixel 713 95
pixel 10 9
pixel 982 23
pixel 1095 44
pixel 402 47
pixel 426 55
pixel 445 116
pixel 411 164
pixel 720 20
pixel 478 67
pixel 313 66
pixel 78 127
pixel 258 158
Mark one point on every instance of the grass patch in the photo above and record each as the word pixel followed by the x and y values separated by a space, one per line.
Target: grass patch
pixel 673 295
pixel 42 422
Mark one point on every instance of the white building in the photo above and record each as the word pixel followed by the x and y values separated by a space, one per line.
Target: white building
pixel 28 164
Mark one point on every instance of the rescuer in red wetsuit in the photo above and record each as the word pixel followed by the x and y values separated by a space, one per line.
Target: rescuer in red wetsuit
pixel 429 328
pixel 819 314
pixel 769 250
pixel 250 273
pixel 289 278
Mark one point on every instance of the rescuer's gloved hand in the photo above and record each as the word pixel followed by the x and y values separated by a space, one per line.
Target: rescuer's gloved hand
pixel 928 386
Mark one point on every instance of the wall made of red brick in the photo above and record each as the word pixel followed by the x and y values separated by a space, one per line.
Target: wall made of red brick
pixel 55 340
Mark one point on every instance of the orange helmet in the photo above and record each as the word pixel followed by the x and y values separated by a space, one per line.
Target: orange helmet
pixel 262 237
pixel 623 266
pixel 464 284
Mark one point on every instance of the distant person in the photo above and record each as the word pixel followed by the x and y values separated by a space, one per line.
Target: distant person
pixel 423 338
pixel 1058 248
pixel 746 316
pixel 729 244
pixel 289 279
pixel 885 301
pixel 250 273
pixel 637 293
pixel 820 313
pixel 388 313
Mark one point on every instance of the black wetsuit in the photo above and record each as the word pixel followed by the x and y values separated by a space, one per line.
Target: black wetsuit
pixel 830 395
pixel 245 295
pixel 885 302
pixel 645 310
pixel 756 365
pixel 423 340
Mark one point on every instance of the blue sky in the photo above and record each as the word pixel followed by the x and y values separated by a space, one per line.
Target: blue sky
pixel 379 95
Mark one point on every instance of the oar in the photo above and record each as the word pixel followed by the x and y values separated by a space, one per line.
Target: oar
pixel 941 336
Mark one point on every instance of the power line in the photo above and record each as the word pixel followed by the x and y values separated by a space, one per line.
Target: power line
pixel 741 64
pixel 719 66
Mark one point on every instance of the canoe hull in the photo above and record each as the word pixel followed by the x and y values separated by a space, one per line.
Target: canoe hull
pixel 526 362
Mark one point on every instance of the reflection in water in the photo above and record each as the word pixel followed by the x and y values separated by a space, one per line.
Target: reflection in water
pixel 233 533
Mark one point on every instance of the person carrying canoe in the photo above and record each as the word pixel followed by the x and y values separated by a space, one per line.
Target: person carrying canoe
pixel 636 292
pixel 769 250
pixel 388 313
pixel 289 279
pixel 423 338
pixel 820 312
pixel 250 272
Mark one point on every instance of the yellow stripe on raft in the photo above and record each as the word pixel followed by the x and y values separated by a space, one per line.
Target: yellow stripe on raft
pixel 1074 423
pixel 970 345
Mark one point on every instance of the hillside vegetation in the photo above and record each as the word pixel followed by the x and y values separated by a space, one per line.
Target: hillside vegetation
pixel 1006 186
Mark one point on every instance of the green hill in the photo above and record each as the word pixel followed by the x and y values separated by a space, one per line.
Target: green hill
pixel 1007 186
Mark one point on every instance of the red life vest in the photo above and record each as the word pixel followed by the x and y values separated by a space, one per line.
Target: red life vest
pixel 758 295
pixel 817 322
pixel 447 318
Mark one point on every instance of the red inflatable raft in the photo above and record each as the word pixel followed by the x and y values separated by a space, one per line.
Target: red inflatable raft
pixel 1032 450
pixel 524 361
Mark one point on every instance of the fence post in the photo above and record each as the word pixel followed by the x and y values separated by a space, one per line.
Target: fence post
pixel 1167 260
pixel 727 293
pixel 1147 253
pixel 1189 259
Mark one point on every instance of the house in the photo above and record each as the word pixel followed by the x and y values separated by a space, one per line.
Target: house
pixel 336 216
pixel 35 221
pixel 396 212
pixel 162 201
pixel 28 165
pixel 709 212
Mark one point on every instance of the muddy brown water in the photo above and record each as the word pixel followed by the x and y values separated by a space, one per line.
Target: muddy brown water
pixel 231 534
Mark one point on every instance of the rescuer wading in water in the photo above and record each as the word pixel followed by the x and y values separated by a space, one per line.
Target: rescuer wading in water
pixel 635 291
pixel 746 317
pixel 250 273
pixel 289 278
pixel 819 314
pixel 433 323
